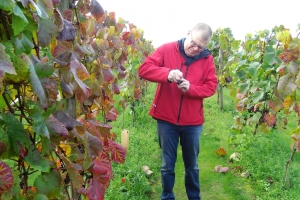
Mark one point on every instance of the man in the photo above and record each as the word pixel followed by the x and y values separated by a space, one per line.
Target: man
pixel 185 73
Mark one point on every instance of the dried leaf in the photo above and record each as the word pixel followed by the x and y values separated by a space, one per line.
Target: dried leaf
pixel 220 152
pixel 221 169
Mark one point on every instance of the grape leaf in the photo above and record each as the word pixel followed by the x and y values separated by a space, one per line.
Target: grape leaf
pixel 96 9
pixel 68 121
pixel 270 119
pixel 48 184
pixel 96 189
pixel 6 177
pixel 35 160
pixel 102 168
pixel 93 145
pixel 19 21
pixel 16 134
pixel 55 126
pixel 46 30
pixel 5 63
pixel 37 86
pixel 74 174
pixel 68 33
pixel 46 8
pixel 118 152
pixel 7 5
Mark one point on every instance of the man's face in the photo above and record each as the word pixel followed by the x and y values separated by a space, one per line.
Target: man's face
pixel 193 44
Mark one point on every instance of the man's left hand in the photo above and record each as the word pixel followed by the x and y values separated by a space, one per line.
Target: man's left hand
pixel 184 85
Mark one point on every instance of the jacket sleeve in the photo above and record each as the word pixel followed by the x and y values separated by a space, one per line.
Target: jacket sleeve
pixel 153 69
pixel 209 86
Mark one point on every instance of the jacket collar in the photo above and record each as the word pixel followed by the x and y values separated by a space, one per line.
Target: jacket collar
pixel 190 60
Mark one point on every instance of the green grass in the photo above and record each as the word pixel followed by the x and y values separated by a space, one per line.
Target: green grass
pixel 263 155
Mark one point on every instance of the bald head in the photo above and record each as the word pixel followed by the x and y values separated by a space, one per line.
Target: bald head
pixel 204 30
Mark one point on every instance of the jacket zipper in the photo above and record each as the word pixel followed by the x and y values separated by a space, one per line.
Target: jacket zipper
pixel 181 99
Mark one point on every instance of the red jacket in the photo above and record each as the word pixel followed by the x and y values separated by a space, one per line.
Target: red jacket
pixel 170 103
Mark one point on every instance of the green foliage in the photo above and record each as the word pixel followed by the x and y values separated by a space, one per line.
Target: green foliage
pixel 264 73
pixel 61 64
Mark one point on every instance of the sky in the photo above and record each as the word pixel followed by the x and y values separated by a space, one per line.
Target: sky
pixel 169 20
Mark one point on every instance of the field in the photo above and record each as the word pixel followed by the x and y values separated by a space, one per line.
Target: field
pixel 263 158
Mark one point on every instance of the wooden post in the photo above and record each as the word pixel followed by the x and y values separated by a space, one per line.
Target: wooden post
pixel 220 87
pixel 125 138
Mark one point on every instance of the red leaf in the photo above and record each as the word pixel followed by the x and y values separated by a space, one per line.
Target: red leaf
pixel 115 88
pixel 112 114
pixel 55 126
pixel 220 152
pixel 118 152
pixel 96 190
pixel 102 169
pixel 108 75
pixel 6 178
pixel 270 119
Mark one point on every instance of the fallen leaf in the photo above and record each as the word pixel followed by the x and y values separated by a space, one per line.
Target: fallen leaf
pixel 235 156
pixel 221 169
pixel 220 152
pixel 245 174
pixel 147 170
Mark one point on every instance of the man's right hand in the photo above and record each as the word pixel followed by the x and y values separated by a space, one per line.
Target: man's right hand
pixel 175 75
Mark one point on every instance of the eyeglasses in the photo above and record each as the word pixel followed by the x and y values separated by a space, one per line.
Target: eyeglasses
pixel 193 44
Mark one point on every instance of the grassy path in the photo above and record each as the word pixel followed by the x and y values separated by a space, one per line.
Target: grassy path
pixel 214 186
pixel 265 157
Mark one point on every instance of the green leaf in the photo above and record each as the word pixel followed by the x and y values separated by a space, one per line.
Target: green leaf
pixel 22 44
pixel 270 57
pixel 257 96
pixel 18 24
pixel 244 87
pixel 21 63
pixel 35 160
pixel 18 12
pixel 40 197
pixel 44 69
pixel 7 5
pixel 48 184
pixel 46 8
pixel 4 143
pixel 37 86
pixel 32 26
pixel 252 69
pixel 16 134
pixel 46 31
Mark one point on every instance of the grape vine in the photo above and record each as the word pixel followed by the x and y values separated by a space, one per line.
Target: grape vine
pixel 264 80
pixel 61 64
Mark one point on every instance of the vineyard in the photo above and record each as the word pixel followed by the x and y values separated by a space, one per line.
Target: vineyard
pixel 63 62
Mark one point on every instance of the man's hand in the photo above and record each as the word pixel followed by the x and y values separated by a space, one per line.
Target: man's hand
pixel 184 85
pixel 175 75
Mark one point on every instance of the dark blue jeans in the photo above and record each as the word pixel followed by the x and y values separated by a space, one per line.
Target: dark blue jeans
pixel 189 137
